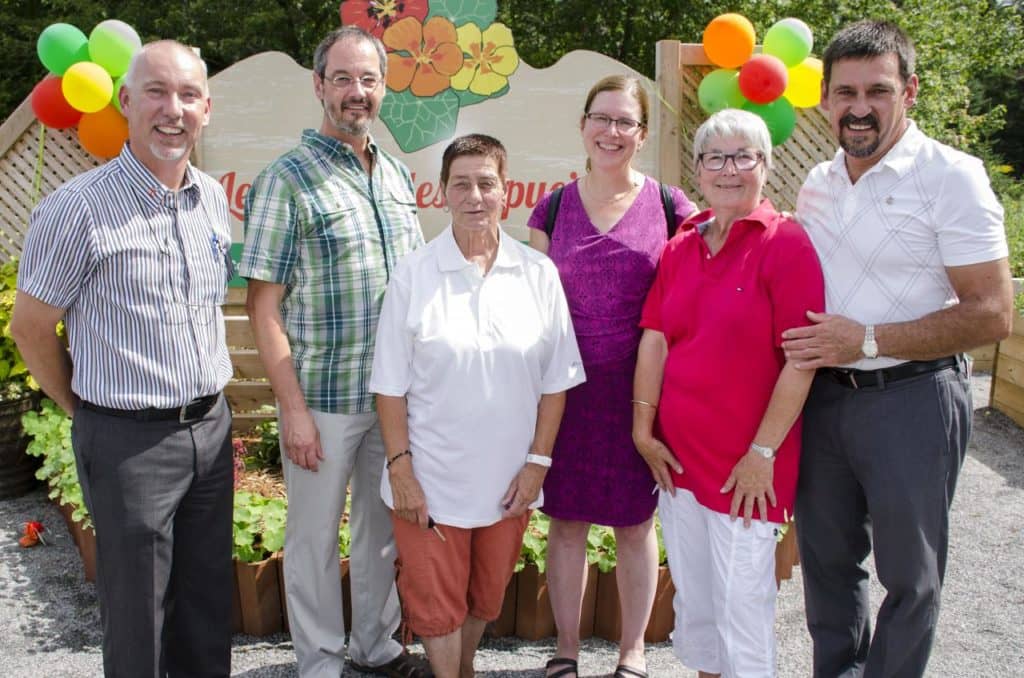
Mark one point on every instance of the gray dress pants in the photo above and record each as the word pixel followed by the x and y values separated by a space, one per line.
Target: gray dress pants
pixel 878 470
pixel 160 495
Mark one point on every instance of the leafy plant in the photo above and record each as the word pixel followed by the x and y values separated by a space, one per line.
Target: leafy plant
pixel 50 433
pixel 262 446
pixel 259 524
pixel 601 547
pixel 535 543
pixel 15 380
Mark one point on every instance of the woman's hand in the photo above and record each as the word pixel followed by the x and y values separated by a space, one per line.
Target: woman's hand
pixel 523 490
pixel 410 504
pixel 751 483
pixel 660 459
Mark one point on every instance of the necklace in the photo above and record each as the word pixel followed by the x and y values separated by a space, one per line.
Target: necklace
pixel 617 197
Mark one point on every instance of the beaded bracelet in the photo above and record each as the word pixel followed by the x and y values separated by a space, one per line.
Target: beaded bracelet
pixel 395 458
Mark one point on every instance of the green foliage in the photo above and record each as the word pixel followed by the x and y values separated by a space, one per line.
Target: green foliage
pixel 50 432
pixel 601 548
pixel 535 543
pixel 259 524
pixel 15 380
pixel 1014 221
pixel 262 446
pixel 600 545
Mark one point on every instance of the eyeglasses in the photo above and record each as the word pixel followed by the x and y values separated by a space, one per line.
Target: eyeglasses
pixel 744 161
pixel 368 82
pixel 626 126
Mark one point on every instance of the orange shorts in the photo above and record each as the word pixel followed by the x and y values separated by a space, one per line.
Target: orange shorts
pixel 441 582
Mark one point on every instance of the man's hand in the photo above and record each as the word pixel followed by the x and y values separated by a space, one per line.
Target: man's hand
pixel 523 490
pixel 751 483
pixel 660 459
pixel 410 504
pixel 831 341
pixel 301 439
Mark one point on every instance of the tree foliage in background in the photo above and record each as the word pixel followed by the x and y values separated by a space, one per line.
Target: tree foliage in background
pixel 971 52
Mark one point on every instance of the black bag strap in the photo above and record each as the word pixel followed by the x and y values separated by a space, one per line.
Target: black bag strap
pixel 553 203
pixel 669 205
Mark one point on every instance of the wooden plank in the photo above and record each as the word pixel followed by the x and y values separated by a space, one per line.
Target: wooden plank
pixel 1011 370
pixel 1009 395
pixel 670 95
pixel 249 396
pixel 15 125
pixel 238 332
pixel 236 296
pixel 243 422
pixel 1013 346
pixel 246 362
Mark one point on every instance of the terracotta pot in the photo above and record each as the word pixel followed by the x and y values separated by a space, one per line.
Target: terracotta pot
pixel 346 593
pixel 259 596
pixel 17 469
pixel 533 607
pixel 589 610
pixel 236 603
pixel 787 555
pixel 505 624
pixel 87 549
pixel 608 617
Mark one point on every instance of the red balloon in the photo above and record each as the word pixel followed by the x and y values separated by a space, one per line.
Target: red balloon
pixel 50 106
pixel 763 78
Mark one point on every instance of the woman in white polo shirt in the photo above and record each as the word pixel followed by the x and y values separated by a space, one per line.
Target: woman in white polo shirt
pixel 475 350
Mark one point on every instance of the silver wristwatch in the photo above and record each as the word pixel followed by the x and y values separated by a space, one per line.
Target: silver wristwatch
pixel 766 452
pixel 870 347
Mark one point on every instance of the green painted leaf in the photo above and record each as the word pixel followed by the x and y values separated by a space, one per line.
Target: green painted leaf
pixel 416 122
pixel 467 98
pixel 480 12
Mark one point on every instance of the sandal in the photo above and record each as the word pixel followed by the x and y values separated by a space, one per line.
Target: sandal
pixel 570 665
pixel 404 665
pixel 623 671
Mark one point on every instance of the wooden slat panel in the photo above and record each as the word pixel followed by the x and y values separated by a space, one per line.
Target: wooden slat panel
pixel 1013 346
pixel 238 332
pixel 1009 395
pixel 667 54
pixel 243 422
pixel 249 396
pixel 1011 369
pixel 246 362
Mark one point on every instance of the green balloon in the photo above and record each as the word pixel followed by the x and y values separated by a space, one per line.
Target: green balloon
pixel 720 89
pixel 779 116
pixel 115 99
pixel 61 45
pixel 112 44
pixel 790 40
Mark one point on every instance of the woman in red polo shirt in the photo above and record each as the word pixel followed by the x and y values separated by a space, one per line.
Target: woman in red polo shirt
pixel 716 407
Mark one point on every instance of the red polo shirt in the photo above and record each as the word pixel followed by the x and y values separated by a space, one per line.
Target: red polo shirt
pixel 723 317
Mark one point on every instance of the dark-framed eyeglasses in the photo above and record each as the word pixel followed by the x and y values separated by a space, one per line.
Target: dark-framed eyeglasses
pixel 626 126
pixel 343 81
pixel 744 161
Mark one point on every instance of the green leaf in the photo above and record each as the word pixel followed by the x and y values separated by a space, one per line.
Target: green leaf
pixel 416 123
pixel 480 12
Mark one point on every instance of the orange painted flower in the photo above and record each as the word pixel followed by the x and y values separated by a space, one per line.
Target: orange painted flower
pixel 489 59
pixel 375 16
pixel 424 57
pixel 33 534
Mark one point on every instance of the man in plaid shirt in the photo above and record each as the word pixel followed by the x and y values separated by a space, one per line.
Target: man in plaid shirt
pixel 325 225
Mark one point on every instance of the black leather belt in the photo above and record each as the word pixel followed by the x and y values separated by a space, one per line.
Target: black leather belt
pixel 189 412
pixel 867 378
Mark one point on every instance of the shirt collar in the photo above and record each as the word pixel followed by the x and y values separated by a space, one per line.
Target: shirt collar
pixel 333 148
pixel 151 188
pixel 762 215
pixel 899 159
pixel 450 256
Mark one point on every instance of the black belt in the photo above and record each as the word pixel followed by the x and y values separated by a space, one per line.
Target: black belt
pixel 867 378
pixel 189 412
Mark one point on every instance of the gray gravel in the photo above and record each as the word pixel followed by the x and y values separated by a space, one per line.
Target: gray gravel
pixel 49 621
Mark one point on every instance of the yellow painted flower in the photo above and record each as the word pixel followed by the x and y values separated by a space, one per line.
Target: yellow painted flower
pixel 425 56
pixel 489 59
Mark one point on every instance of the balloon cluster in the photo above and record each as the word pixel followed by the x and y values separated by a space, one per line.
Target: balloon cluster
pixel 769 84
pixel 85 77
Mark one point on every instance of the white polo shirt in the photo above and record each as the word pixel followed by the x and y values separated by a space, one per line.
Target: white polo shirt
pixel 472 354
pixel 885 241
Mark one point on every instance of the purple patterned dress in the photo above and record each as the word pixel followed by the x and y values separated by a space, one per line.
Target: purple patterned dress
pixel 597 475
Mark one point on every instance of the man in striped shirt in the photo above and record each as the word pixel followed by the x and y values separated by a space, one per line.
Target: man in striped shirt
pixel 324 226
pixel 133 257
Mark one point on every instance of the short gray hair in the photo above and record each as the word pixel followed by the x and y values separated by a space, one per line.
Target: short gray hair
pixel 733 122
pixel 347 33
pixel 133 66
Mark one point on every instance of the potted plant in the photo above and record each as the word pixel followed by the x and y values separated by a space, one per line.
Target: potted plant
pixel 258 533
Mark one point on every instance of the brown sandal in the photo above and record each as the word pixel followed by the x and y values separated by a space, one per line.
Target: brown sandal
pixel 623 671
pixel 404 665
pixel 571 666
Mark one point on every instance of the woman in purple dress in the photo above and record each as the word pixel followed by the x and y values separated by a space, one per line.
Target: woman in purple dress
pixel 608 232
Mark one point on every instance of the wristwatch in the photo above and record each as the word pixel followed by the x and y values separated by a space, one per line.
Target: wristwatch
pixel 766 452
pixel 870 347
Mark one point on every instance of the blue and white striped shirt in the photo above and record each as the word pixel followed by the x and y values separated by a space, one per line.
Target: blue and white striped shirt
pixel 141 272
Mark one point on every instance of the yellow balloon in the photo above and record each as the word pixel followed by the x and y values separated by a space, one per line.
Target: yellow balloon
pixel 87 87
pixel 804 88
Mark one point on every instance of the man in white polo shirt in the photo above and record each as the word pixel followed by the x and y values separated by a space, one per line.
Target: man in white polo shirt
pixel 912 245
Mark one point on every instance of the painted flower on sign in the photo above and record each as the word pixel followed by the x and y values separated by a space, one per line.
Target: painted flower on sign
pixel 489 59
pixel 424 56
pixel 376 16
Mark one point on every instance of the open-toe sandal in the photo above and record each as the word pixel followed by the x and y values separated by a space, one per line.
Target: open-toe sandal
pixel 570 666
pixel 623 671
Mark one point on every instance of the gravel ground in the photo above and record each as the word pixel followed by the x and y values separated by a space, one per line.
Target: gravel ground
pixel 50 623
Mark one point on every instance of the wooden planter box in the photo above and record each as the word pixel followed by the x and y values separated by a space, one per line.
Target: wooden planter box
pixel 83 538
pixel 608 618
pixel 528 603
pixel 259 596
pixel 1008 374
pixel 786 556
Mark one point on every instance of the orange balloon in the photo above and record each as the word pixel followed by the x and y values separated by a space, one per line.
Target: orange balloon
pixel 103 133
pixel 729 40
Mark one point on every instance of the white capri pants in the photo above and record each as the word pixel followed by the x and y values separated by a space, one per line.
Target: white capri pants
pixel 724 576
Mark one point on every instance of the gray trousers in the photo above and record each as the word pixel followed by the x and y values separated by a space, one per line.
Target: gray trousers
pixel 160 495
pixel 878 470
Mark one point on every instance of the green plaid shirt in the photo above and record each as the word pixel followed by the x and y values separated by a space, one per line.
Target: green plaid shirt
pixel 314 223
